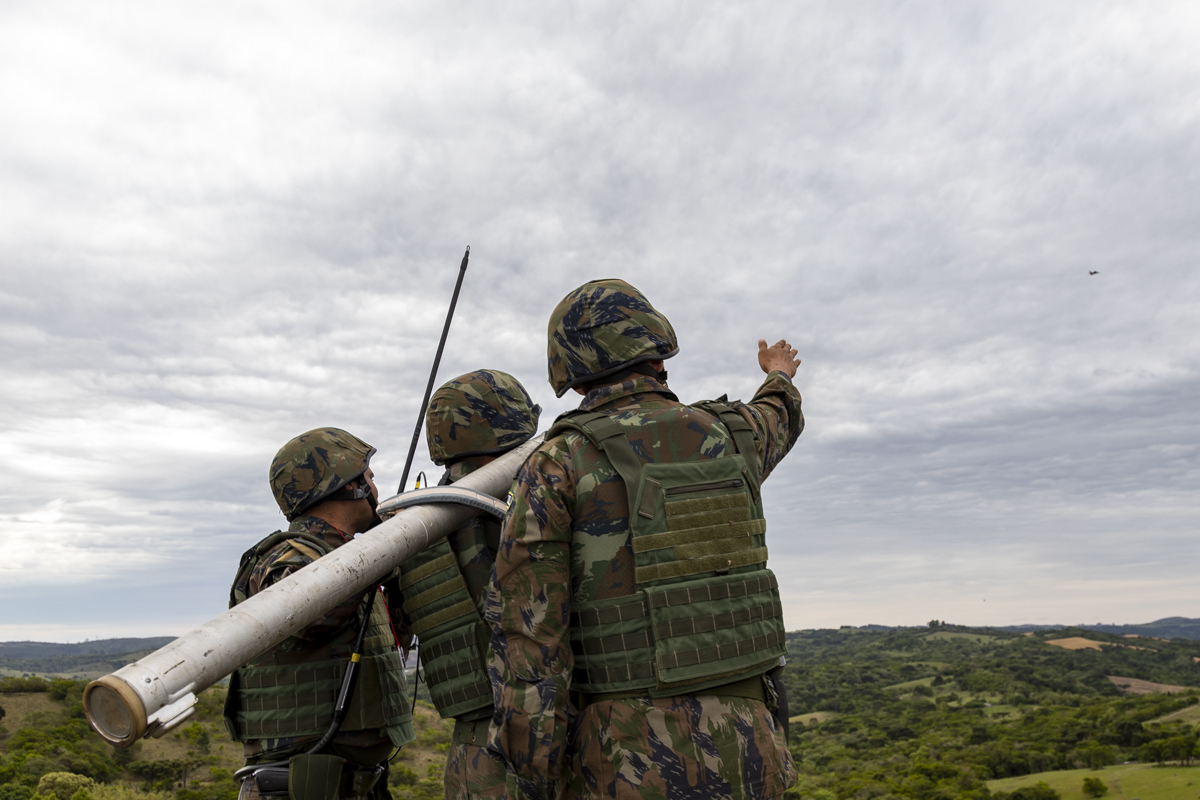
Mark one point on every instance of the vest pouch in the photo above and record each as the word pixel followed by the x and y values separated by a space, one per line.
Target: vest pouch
pixel 451 662
pixel 710 631
pixel 453 636
pixel 314 777
pixel 695 518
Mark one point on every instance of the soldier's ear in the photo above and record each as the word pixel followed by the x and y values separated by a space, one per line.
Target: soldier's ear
pixel 579 390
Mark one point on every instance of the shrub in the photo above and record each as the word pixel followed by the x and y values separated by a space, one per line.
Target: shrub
pixel 63 785
pixel 15 791
pixel 11 685
pixel 1039 791
pixel 58 689
pixel 1094 787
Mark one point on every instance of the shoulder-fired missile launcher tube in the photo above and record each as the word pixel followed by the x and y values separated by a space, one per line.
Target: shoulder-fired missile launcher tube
pixel 156 693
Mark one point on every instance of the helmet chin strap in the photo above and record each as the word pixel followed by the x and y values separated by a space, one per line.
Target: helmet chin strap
pixel 360 492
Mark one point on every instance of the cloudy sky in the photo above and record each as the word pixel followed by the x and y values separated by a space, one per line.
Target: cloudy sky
pixel 227 223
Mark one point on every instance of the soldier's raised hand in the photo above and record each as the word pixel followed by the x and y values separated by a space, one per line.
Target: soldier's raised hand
pixel 779 356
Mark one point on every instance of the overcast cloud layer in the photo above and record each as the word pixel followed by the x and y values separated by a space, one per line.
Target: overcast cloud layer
pixel 228 223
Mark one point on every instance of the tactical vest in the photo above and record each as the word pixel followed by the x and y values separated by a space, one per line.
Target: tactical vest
pixel 290 690
pixel 454 636
pixel 706 611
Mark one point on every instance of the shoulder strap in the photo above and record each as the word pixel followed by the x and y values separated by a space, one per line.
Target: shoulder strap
pixel 250 558
pixel 610 437
pixel 741 431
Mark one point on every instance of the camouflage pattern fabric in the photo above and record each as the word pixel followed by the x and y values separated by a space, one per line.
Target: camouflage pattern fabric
pixel 472 773
pixel 601 328
pixel 483 412
pixel 567 490
pixel 314 465
pixel 366 747
pixel 687 746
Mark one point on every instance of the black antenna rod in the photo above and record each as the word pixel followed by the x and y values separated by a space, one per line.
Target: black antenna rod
pixel 412 448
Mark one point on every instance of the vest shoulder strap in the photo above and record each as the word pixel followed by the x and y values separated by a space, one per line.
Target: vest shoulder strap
pixel 741 432
pixel 250 558
pixel 608 436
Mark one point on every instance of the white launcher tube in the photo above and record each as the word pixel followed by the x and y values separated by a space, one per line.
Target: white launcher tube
pixel 155 694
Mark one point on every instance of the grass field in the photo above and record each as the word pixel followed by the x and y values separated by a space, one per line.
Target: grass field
pixel 909 684
pixel 1136 686
pixel 1140 781
pixel 814 717
pixel 1189 714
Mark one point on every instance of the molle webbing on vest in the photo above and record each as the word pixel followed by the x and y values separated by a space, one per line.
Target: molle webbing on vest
pixel 289 693
pixel 408 577
pixel 722 652
pixel 715 593
pixel 447 646
pixel 453 636
pixel 715 562
pixel 299 702
pixel 623 675
pixel 612 644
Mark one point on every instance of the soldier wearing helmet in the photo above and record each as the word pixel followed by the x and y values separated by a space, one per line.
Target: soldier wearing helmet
pixel 281 703
pixel 636 622
pixel 470 421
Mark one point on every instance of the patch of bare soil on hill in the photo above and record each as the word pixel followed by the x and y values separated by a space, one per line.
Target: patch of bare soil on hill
pixel 1137 686
pixel 1080 643
pixel 1076 643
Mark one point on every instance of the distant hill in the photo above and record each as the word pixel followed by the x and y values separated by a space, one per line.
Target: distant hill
pixel 1166 628
pixel 99 647
pixel 82 659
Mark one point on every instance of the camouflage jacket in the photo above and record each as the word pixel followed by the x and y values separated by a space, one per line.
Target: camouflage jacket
pixel 365 746
pixel 661 747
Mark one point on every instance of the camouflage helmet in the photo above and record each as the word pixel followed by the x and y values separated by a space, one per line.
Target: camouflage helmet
pixel 314 465
pixel 483 412
pixel 602 328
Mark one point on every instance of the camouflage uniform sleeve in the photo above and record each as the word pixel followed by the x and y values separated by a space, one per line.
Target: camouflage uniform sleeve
pixel 528 606
pixel 776 417
pixel 284 560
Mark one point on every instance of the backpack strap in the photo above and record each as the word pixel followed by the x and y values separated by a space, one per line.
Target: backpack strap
pixel 742 433
pixel 608 436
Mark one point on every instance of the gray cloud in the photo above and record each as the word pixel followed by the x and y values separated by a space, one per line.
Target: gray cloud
pixel 231 224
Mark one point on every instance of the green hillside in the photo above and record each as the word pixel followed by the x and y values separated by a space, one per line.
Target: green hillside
pixel 939 713
pixel 77 661
pixel 44 731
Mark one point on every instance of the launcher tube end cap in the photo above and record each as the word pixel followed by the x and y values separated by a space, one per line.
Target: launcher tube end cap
pixel 115 711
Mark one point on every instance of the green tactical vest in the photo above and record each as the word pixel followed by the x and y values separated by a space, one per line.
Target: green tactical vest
pixel 454 636
pixel 290 691
pixel 706 611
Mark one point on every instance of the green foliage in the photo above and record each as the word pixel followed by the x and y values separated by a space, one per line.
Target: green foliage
pixel 12 685
pixel 120 791
pixel 1039 791
pixel 934 714
pixel 58 689
pixel 63 785
pixel 199 737
pixel 1094 787
pixel 15 791
pixel 60 742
